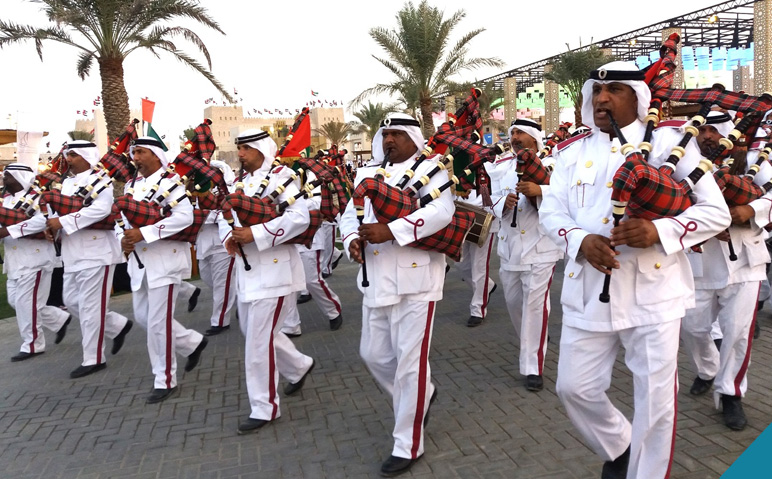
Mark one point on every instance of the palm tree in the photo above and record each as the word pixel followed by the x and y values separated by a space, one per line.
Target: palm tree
pixel 81 135
pixel 371 116
pixel 572 69
pixel 106 31
pixel 335 131
pixel 418 54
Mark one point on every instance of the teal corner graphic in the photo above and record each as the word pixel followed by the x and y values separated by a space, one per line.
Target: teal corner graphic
pixel 755 461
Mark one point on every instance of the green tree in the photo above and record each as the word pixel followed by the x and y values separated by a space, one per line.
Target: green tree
pixel 81 135
pixel 419 54
pixel 335 131
pixel 188 134
pixel 572 69
pixel 370 118
pixel 106 31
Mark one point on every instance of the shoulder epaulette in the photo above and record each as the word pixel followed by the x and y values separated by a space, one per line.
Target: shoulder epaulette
pixel 672 124
pixel 505 157
pixel 278 169
pixel 566 143
pixel 757 145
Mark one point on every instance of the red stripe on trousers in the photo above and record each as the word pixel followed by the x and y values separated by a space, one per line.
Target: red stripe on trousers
pixel 545 316
pixel 418 422
pixel 227 292
pixel 272 361
pixel 169 302
pixel 35 312
pixel 103 313
pixel 322 283
pixel 675 420
pixel 744 368
pixel 486 295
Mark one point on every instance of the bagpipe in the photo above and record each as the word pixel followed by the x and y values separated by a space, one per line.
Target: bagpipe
pixel 258 209
pixel 390 203
pixel 640 190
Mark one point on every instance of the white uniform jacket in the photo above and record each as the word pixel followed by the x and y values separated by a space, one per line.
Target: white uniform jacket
pixel 276 267
pixel 84 248
pixel 527 243
pixel 208 241
pixel 654 284
pixel 23 255
pixel 713 269
pixel 396 271
pixel 166 262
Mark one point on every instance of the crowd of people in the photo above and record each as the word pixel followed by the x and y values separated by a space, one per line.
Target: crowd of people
pixel 642 284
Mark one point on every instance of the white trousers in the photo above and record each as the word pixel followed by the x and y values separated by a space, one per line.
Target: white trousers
pixel 735 308
pixel 585 367
pixel 154 311
pixel 330 252
pixel 268 353
pixel 475 269
pixel 395 347
pixel 27 295
pixel 86 294
pixel 219 273
pixel 185 290
pixel 321 292
pixel 527 294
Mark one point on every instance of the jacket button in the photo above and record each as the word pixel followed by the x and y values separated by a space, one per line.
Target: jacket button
pixel 609 184
pixel 414 265
pixel 250 185
pixel 519 209
pixel 375 253
pixel 93 237
pixel 37 250
pixel 614 149
pixel 522 232
pixel 578 182
pixel 275 260
pixel 570 275
pixel 588 164
pixel 604 221
pixel 174 250
pixel 658 265
pixel 14 247
pixel 501 237
pixel 144 249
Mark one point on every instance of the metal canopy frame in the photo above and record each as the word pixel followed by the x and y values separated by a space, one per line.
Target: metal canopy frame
pixel 728 24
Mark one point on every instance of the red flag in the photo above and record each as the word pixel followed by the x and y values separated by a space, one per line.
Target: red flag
pixel 147 110
pixel 300 140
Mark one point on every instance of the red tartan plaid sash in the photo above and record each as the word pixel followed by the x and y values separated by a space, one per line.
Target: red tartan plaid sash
pixel 10 217
pixel 189 162
pixel 333 192
pixel 737 190
pixel 65 205
pixel 256 211
pixel 307 237
pixel 208 200
pixel 144 213
pixel 532 168
pixel 390 203
pixel 205 140
pixel 649 193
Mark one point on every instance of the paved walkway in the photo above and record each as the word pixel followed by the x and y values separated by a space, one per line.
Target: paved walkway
pixel 483 425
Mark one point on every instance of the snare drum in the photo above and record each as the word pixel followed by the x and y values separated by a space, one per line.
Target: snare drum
pixel 482 223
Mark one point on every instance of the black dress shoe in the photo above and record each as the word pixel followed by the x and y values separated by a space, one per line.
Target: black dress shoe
pixel 195 356
pixel 81 371
pixel 756 330
pixel 337 260
pixel 293 335
pixel 62 331
pixel 158 395
pixel 304 298
pixel 292 388
pixel 700 386
pixel 215 330
pixel 336 323
pixel 493 289
pixel 616 469
pixel 474 321
pixel 326 275
pixel 394 466
pixel 193 300
pixel 734 416
pixel 534 382
pixel 251 425
pixel 22 356
pixel 717 342
pixel 428 410
pixel 118 340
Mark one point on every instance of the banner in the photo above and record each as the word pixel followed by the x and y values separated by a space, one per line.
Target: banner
pixel 28 148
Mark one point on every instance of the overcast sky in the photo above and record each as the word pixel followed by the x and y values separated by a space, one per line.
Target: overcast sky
pixel 275 52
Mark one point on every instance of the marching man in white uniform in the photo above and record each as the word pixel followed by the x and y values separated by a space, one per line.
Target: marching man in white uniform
pixel 728 290
pixel 651 280
pixel 166 263
pixel 28 265
pixel 405 284
pixel 265 291
pixel 89 258
pixel 527 255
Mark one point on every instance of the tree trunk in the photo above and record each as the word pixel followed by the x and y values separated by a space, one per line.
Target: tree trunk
pixel 426 116
pixel 116 100
pixel 578 112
